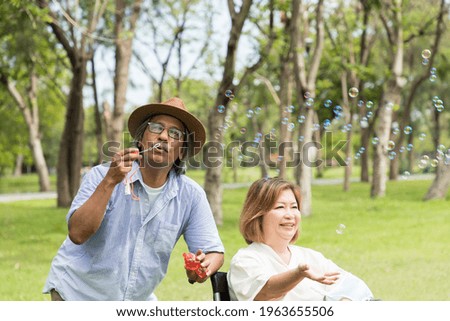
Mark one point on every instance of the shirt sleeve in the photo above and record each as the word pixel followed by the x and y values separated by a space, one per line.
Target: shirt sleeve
pixel 246 276
pixel 201 231
pixel 88 185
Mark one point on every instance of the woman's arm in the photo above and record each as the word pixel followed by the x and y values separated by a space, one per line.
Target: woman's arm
pixel 279 285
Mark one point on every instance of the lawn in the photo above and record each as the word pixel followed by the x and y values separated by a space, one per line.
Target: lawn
pixel 398 244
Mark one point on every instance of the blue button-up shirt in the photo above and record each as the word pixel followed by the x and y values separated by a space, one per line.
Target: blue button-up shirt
pixel 128 256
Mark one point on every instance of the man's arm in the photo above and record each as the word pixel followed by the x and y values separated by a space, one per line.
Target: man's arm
pixel 86 220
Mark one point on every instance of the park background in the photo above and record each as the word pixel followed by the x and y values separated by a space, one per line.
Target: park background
pixel 370 74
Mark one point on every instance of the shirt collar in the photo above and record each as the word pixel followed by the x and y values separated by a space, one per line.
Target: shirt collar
pixel 136 175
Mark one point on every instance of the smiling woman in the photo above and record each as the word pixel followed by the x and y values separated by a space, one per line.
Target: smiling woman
pixel 271 267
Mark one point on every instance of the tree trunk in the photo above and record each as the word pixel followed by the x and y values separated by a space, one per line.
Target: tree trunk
pixel 31 117
pixel 124 42
pixel 18 167
pixel 213 176
pixel 285 101
pixel 391 99
pixel 71 145
pixel 380 159
pixel 305 81
pixel 440 185
pixel 308 151
pixel 97 116
pixel 365 136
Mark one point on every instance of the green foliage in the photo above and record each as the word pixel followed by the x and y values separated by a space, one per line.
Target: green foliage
pixel 387 242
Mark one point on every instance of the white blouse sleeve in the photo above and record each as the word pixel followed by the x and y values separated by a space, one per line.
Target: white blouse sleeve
pixel 246 276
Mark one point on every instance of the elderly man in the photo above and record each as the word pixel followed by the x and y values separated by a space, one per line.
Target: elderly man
pixel 127 216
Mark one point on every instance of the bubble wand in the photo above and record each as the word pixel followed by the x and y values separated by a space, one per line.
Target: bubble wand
pixel 150 148
pixel 128 182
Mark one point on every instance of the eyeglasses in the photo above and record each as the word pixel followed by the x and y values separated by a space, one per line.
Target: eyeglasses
pixel 158 128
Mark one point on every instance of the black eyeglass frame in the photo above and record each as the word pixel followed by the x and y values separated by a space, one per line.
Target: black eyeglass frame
pixel 170 131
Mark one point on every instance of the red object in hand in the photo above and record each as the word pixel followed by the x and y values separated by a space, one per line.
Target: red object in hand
pixel 192 264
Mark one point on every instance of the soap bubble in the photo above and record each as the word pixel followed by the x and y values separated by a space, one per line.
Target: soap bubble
pixel 291 127
pixel 441 148
pixel 406 175
pixel 375 141
pixel 353 92
pixel 439 107
pixel 426 53
pixel 390 145
pixel 364 123
pixel 369 104
pixel 221 109
pixel 409 147
pixel 422 136
pixel 328 103
pixel 407 130
pixel 310 102
pixel 229 94
pixel 340 229
pixel 337 109
pixel 250 113
pixel 423 162
pixel 392 155
pixel 301 119
pixel 434 163
pixel 243 130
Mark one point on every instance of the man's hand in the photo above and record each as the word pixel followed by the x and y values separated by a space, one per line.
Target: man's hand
pixel 121 164
pixel 196 266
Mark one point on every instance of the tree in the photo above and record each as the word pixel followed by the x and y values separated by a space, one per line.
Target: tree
pixel 124 30
pixel 182 20
pixel 22 66
pixel 391 16
pixel 305 80
pixel 213 181
pixel 419 79
pixel 76 41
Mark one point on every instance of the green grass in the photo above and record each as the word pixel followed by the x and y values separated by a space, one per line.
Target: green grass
pixel 27 183
pixel 398 244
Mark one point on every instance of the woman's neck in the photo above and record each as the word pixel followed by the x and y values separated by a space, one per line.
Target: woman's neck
pixel 282 249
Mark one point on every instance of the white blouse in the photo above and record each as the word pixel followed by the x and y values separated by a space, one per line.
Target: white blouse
pixel 252 267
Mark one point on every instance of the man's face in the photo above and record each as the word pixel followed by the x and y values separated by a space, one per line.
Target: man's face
pixel 170 148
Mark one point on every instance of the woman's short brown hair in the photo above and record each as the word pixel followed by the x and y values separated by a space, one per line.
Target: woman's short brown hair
pixel 261 198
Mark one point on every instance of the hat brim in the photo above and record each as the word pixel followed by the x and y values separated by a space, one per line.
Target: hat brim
pixel 193 125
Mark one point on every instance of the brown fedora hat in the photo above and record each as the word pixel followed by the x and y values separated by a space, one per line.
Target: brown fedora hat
pixel 173 107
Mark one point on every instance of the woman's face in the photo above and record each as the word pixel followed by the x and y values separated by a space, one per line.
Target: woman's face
pixel 281 222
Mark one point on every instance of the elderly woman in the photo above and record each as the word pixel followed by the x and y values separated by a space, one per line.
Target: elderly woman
pixel 271 267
